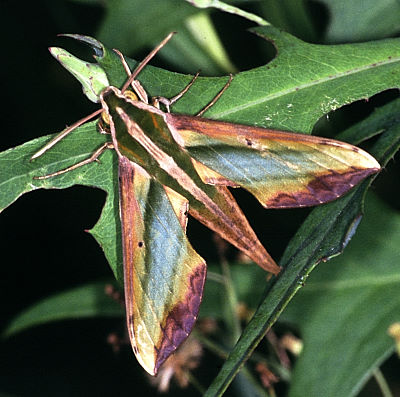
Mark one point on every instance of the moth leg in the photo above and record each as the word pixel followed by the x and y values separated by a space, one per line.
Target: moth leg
pixel 64 133
pixel 216 97
pixel 94 157
pixel 168 102
pixel 145 61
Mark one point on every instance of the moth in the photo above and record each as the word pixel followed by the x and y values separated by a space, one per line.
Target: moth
pixel 172 165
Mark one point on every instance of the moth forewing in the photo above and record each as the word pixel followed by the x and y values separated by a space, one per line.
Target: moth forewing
pixel 281 169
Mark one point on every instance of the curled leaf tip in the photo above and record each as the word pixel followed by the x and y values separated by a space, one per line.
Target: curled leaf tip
pixel 95 44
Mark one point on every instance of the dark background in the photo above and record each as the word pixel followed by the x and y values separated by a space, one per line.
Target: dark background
pixel 44 246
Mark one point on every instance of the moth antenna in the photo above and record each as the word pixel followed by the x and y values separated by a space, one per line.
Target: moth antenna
pixel 64 133
pixel 146 61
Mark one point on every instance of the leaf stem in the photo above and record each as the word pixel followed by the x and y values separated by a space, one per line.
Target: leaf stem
pixel 214 276
pixel 231 303
pixel 196 384
pixel 381 381
pixel 229 8
pixel 215 348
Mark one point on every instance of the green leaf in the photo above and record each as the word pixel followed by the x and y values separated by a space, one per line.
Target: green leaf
pixel 362 20
pixel 205 35
pixel 347 21
pixel 195 47
pixel 304 82
pixel 141 23
pixel 383 120
pixel 17 173
pixel 89 300
pixel 291 16
pixel 345 309
pixel 291 93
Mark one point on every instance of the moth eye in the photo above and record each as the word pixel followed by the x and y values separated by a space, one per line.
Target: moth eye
pixel 140 244
pixel 131 95
pixel 249 142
